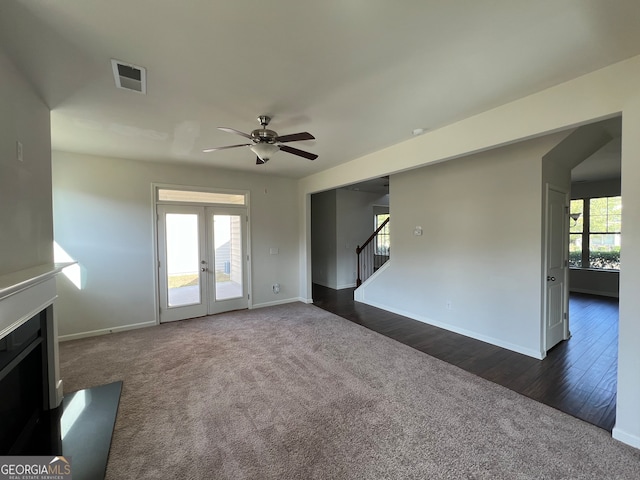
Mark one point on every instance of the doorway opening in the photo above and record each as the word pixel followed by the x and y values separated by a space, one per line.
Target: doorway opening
pixel 341 220
pixel 202 245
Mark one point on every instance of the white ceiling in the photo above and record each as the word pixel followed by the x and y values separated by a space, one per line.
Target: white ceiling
pixel 360 75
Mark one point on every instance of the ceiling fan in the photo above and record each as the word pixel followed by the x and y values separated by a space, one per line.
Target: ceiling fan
pixel 265 142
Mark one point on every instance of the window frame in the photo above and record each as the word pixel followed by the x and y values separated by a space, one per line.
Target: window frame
pixel 587 232
pixel 383 233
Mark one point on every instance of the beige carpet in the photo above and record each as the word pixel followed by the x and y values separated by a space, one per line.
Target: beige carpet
pixel 294 392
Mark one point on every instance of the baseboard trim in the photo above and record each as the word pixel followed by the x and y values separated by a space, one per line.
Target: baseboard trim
pixel 323 284
pixel 452 328
pixel 346 285
pixel 625 437
pixel 105 331
pixel 276 302
pixel 594 292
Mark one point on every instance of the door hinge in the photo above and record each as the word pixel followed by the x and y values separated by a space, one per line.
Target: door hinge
pixel 248 296
pixel 158 263
pixel 566 263
pixel 247 258
pixel 564 315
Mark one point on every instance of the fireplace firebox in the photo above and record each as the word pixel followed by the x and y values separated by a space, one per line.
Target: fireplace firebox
pixel 23 381
pixel 29 383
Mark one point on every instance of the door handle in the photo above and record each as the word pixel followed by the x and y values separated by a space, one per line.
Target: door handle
pixel 550 278
pixel 203 269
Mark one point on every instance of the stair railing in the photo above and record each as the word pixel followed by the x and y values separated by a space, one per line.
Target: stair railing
pixel 368 261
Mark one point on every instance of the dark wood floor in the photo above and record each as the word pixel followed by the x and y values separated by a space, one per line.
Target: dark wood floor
pixel 578 376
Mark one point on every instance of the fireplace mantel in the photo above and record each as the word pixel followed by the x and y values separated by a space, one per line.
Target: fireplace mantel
pixel 24 294
pixel 14 282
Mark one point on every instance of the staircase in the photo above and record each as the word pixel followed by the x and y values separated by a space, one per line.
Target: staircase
pixel 373 253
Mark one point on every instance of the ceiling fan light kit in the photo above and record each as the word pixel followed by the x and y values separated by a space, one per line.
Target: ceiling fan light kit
pixel 264 150
pixel 267 143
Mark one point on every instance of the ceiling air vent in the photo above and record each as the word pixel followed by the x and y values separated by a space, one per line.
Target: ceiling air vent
pixel 129 77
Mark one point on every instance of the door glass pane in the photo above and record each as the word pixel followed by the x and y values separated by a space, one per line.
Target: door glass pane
pixel 167 195
pixel 227 237
pixel 183 272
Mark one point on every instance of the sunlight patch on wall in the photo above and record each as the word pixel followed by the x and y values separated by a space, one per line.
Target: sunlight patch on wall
pixel 72 272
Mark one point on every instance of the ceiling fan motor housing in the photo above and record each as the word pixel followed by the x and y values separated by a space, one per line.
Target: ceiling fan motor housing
pixel 263 135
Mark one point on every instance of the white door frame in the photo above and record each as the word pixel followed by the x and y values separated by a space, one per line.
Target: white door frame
pixel 565 232
pixel 156 254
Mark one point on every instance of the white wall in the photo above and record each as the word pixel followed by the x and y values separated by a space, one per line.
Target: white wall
pixel 598 95
pixel 26 226
pixel 627 427
pixel 480 251
pixel 103 219
pixel 323 238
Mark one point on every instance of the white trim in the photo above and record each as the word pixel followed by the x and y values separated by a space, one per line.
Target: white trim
pixel 358 294
pixel 156 255
pixel 462 331
pixel 23 305
pixel 188 188
pixel 324 284
pixel 346 285
pixel 105 331
pixel 594 292
pixel 17 281
pixel 276 302
pixel 625 437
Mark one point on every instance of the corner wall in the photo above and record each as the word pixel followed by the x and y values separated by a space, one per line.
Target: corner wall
pixel 103 219
pixel 26 225
pixel 476 268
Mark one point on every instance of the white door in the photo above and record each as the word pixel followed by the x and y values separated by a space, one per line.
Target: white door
pixel 202 260
pixel 556 297
pixel 227 272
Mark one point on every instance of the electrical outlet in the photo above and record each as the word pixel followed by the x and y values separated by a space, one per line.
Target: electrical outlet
pixel 276 288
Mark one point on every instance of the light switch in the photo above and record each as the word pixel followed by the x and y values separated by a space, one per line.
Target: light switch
pixel 19 151
pixel 273 251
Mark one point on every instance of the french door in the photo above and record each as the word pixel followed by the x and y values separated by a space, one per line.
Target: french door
pixel 202 260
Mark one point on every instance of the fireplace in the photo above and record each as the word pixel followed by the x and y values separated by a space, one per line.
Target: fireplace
pixel 29 382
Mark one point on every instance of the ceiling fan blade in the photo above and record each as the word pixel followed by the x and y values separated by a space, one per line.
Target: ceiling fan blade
pixel 294 137
pixel 300 153
pixel 207 150
pixel 233 130
pixel 260 161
